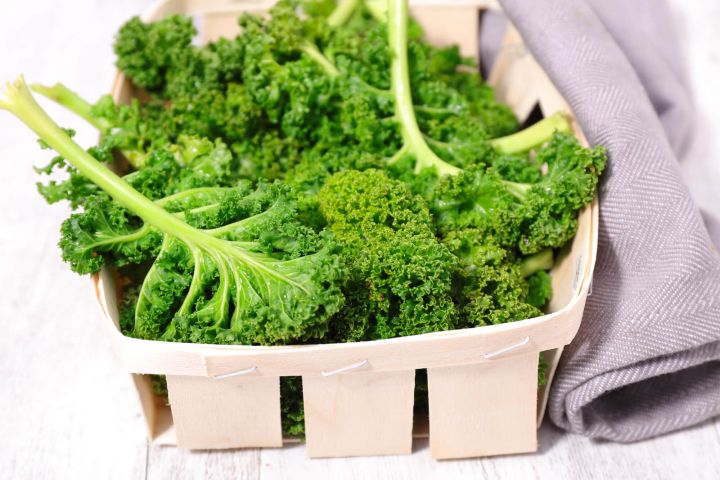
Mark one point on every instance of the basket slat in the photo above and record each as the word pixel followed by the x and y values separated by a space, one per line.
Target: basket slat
pixel 229 413
pixel 359 413
pixel 484 409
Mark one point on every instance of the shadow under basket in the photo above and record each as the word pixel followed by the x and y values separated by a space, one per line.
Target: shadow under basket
pixel 358 397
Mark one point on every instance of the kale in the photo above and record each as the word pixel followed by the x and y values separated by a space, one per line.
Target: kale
pixel 322 177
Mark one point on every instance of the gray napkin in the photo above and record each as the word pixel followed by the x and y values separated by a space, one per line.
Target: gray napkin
pixel 647 357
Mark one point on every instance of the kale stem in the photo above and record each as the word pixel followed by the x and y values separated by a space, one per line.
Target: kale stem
pixel 378 9
pixel 62 95
pixel 533 136
pixel 18 100
pixel 435 110
pixel 517 189
pixel 404 109
pixel 377 91
pixel 543 260
pixel 342 13
pixel 312 51
pixel 398 155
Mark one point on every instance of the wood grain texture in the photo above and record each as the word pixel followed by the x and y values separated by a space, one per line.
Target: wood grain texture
pixel 359 413
pixel 484 409
pixel 177 464
pixel 66 411
pixel 232 412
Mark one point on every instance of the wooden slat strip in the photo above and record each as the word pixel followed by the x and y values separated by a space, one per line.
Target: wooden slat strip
pixel 359 413
pixel 484 409
pixel 230 413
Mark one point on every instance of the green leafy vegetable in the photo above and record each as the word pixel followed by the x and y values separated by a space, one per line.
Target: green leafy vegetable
pixel 245 274
pixel 324 176
pixel 400 275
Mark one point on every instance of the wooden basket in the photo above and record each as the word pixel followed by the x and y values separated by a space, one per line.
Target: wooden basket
pixel 483 394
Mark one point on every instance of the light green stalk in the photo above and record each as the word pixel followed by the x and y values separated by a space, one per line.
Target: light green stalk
pixel 73 102
pixel 543 260
pixel 312 51
pixel 342 13
pixel 404 108
pixel 533 136
pixel 17 99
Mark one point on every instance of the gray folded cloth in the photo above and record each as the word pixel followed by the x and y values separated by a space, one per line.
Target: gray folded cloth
pixel 647 357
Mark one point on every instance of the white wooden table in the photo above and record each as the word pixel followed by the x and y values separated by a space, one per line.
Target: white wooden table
pixel 66 408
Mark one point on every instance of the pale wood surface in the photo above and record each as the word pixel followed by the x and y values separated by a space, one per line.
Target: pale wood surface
pixel 201 405
pixel 361 413
pixel 485 409
pixel 66 412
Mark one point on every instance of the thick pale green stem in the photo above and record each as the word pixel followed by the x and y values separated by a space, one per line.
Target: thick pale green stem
pixel 542 260
pixel 78 105
pixel 18 100
pixel 72 101
pixel 378 9
pixel 337 18
pixel 533 136
pixel 342 13
pixel 404 109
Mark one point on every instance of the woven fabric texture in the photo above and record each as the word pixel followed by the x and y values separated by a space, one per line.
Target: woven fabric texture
pixel 647 357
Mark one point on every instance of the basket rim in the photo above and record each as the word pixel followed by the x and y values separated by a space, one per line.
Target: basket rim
pixel 545 332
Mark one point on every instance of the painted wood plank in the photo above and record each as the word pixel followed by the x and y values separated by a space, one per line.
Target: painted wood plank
pixel 170 463
pixel 689 454
pixel 65 411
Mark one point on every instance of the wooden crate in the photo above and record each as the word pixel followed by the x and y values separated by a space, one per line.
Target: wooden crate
pixel 483 395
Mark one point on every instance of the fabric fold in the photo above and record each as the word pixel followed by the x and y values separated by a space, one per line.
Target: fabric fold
pixel 646 359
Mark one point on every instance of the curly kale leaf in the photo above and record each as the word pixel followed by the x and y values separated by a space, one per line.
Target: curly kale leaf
pixel 291 406
pixel 160 58
pixel 192 162
pixel 288 84
pixel 233 266
pixel 150 53
pixel 478 199
pixel 400 276
pixel 104 233
pixel 319 81
pixel 528 217
pixel 489 286
pixel 550 206
pixel 539 289
pixel 196 294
